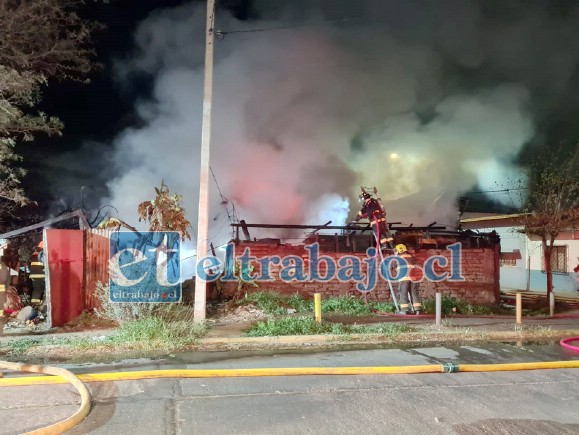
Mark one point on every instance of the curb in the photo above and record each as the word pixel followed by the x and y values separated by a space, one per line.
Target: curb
pixel 409 337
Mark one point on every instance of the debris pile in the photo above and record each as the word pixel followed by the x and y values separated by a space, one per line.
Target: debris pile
pixel 238 314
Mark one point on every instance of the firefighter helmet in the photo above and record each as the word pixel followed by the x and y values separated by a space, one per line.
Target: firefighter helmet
pixel 401 248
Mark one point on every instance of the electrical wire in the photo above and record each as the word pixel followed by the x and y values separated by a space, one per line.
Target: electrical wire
pixel 220 34
pixel 499 191
pixel 224 199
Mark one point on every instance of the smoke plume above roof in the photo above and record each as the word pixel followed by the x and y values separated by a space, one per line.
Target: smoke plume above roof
pixel 422 99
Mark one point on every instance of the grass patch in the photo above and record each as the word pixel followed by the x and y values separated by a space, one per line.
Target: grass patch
pixel 390 329
pixel 451 305
pixel 346 305
pixel 21 346
pixel 274 303
pixel 268 302
pixel 150 333
pixel 303 325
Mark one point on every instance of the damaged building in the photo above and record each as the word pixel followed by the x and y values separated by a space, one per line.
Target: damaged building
pixel 479 260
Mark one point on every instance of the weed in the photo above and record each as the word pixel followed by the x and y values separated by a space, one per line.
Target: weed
pixel 346 305
pixel 304 325
pixel 446 322
pixel 451 305
pixel 157 333
pixel 383 307
pixel 390 329
pixel 288 326
pixel 274 303
pixel 269 302
pixel 122 312
pixel 301 305
pixel 20 346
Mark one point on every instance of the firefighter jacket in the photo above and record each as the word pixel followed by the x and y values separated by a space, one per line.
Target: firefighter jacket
pixel 372 210
pixel 36 268
pixel 411 273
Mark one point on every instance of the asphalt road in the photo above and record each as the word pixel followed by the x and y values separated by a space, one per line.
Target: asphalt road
pixel 525 402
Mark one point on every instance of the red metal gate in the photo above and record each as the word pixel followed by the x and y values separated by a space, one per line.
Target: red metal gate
pixel 65 249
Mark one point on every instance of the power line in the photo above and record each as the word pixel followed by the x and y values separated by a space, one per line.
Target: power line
pixel 499 191
pixel 224 200
pixel 222 33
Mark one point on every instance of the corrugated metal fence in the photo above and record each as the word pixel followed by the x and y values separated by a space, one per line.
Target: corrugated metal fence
pixel 97 251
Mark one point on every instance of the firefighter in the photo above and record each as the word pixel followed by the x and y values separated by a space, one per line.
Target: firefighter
pixel 375 213
pixel 407 284
pixel 37 274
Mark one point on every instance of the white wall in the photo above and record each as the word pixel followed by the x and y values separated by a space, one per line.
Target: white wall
pixel 516 277
pixel 561 282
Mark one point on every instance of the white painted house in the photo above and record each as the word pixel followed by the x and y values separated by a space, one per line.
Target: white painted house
pixel 522 264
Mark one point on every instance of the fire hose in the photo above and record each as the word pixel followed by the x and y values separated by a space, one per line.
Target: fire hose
pixel 289 371
pixel 565 343
pixel 62 376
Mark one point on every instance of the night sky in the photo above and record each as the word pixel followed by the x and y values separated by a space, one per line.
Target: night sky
pixel 98 111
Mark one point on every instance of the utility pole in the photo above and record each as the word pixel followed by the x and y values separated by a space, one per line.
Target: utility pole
pixel 203 213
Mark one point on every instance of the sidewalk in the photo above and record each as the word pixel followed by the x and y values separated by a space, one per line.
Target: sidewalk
pixel 569 321
pixel 455 328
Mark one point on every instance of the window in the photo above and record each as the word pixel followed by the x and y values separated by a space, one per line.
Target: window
pixel 558 259
pixel 507 262
pixel 509 259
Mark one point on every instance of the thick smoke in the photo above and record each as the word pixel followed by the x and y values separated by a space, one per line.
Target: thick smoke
pixel 422 99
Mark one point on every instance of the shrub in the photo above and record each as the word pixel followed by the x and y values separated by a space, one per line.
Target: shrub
pixel 122 312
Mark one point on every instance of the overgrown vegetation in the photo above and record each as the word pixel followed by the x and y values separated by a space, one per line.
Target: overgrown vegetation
pixel 122 312
pixel 304 325
pixel 155 325
pixel 158 333
pixel 274 303
pixel 142 335
pixel 451 305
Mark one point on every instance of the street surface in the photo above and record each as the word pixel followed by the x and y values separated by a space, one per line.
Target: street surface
pixel 524 402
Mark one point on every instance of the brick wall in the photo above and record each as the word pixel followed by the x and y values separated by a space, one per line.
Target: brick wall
pixel 479 267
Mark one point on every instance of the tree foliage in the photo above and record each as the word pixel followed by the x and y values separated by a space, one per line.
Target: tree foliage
pixel 552 203
pixel 40 41
pixel 165 213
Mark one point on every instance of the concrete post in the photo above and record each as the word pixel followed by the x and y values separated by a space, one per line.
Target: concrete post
pixel 200 308
pixel 438 309
pixel 519 308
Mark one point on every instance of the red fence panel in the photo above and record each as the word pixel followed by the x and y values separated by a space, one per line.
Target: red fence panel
pixel 97 251
pixel 65 266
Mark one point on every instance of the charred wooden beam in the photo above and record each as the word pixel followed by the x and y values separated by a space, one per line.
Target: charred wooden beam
pixel 244 227
pixel 75 214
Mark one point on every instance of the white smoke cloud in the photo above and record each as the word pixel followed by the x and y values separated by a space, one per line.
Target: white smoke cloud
pixel 303 118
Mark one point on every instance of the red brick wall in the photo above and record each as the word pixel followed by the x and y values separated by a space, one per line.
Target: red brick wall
pixel 480 268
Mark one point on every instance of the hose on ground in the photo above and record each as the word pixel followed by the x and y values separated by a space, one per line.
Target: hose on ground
pixel 293 371
pixel 565 343
pixel 63 376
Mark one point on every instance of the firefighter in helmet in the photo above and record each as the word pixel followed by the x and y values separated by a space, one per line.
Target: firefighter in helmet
pixel 37 273
pixel 375 213
pixel 408 285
